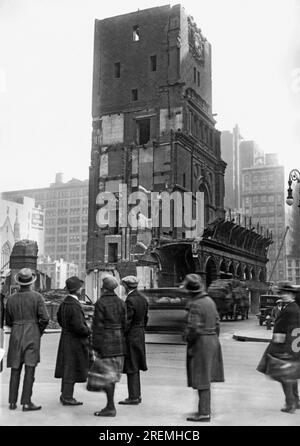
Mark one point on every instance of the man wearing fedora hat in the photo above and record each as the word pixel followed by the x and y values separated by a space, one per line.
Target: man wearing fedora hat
pixel 281 345
pixel 73 355
pixel 204 355
pixel 27 316
pixel 135 357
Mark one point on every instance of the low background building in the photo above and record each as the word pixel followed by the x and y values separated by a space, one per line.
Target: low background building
pixel 58 270
pixel 66 218
pixel 20 218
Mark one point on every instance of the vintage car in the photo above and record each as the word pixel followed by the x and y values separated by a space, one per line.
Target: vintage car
pixel 266 304
pixel 166 309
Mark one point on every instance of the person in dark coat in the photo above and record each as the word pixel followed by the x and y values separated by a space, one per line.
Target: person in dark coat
pixel 281 345
pixel 135 358
pixel 73 351
pixel 276 310
pixel 27 316
pixel 108 326
pixel 2 306
pixel 204 355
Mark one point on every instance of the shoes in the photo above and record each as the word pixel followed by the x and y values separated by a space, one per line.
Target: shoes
pixel 106 413
pixel 199 418
pixel 30 406
pixel 70 402
pixel 131 401
pixel 289 409
pixel 12 406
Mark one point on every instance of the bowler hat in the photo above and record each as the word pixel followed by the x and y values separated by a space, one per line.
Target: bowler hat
pixel 131 281
pixel 193 283
pixel 286 287
pixel 110 283
pixel 25 276
pixel 74 283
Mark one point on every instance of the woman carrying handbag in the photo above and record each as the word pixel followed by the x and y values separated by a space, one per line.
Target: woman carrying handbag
pixel 109 323
pixel 281 360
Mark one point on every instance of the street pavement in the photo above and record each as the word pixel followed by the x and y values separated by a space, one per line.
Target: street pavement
pixel 245 398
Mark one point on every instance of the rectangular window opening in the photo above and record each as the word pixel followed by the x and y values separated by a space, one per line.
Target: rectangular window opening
pixel 136 33
pixel 153 61
pixel 195 75
pixel 117 69
pixel 143 131
pixel 134 94
pixel 112 252
pixel 198 78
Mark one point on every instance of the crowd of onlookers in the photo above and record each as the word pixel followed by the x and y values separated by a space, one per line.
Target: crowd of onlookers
pixel 115 342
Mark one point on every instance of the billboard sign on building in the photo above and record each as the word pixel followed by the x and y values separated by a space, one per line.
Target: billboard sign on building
pixel 37 219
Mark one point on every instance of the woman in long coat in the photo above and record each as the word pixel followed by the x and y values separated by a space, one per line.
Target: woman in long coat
pixel 204 355
pixel 73 354
pixel 108 327
pixel 281 345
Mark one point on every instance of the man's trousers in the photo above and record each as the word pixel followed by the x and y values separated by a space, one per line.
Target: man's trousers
pixel 27 384
pixel 67 390
pixel 134 385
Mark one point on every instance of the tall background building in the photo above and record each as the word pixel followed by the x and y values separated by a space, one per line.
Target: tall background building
pixel 263 200
pixel 66 218
pixel 238 154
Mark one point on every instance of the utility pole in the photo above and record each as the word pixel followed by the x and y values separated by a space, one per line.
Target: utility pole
pixel 279 251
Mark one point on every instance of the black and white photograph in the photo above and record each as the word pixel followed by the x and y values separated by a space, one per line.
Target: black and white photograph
pixel 149 216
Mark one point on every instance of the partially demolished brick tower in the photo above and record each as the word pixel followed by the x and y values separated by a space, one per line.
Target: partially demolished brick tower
pixel 153 130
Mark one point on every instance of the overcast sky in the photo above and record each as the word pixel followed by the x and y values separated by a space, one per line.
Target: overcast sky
pixel 46 58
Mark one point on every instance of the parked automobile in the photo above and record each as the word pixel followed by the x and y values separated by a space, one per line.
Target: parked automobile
pixel 266 304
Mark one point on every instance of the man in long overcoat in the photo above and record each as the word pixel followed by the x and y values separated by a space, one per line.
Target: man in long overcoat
pixel 135 358
pixel 284 342
pixel 27 316
pixel 204 355
pixel 73 351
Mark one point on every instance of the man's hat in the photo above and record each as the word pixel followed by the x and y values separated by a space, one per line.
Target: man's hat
pixel 193 283
pixel 25 277
pixel 286 286
pixel 110 283
pixel 73 284
pixel 131 281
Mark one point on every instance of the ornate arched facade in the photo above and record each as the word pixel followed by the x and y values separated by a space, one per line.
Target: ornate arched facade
pixel 5 254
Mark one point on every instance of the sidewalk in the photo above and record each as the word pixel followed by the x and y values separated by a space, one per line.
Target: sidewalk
pixel 246 398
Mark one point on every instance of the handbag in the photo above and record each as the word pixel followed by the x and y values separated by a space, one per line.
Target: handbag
pixel 283 369
pixel 95 377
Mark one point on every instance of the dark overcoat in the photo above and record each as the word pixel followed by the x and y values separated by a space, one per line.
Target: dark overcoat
pixel 108 325
pixel 204 354
pixel 137 318
pixel 27 315
pixel 285 333
pixel 73 351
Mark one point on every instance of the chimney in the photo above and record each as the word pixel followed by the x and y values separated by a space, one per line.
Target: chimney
pixel 59 178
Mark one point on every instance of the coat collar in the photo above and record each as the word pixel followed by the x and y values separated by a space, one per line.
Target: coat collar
pixel 107 293
pixel 71 301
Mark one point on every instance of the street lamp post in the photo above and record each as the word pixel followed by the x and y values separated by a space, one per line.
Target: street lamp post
pixel 293 176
